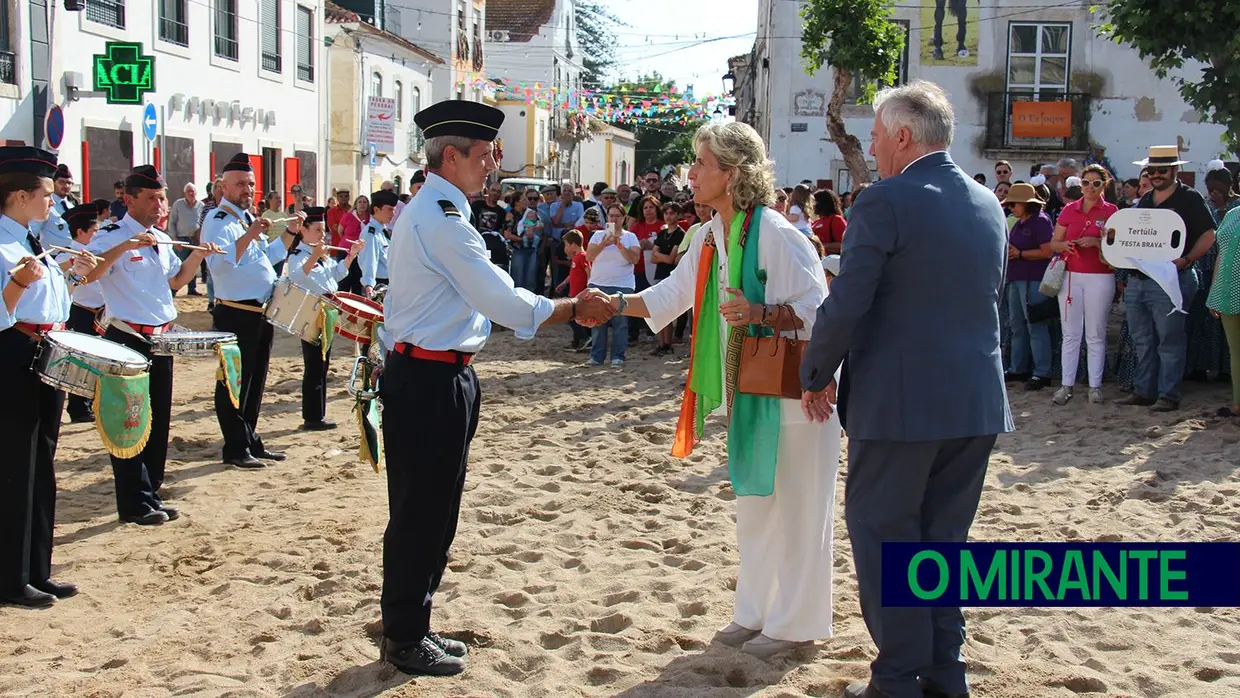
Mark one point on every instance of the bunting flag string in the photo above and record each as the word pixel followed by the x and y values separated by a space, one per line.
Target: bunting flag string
pixel 631 105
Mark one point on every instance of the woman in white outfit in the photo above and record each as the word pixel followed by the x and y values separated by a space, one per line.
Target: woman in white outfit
pixel 739 270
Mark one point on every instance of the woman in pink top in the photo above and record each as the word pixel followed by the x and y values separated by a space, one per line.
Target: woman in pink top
pixel 351 225
pixel 1089 286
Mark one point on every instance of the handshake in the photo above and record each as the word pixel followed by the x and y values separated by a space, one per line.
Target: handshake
pixel 593 308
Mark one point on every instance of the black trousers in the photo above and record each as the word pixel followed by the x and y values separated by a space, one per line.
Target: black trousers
pixel 314 382
pixel 430 413
pixel 29 427
pixel 352 282
pixel 959 10
pixel 138 479
pixel 80 320
pixel 254 337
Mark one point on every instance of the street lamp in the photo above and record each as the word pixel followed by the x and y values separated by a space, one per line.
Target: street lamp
pixel 729 81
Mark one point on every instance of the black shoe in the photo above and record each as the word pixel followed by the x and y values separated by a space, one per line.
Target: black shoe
pixel 1135 400
pixel 938 54
pixel 455 648
pixel 29 597
pixel 193 292
pixel 271 455
pixel 82 418
pixel 321 425
pixel 247 461
pixel 422 657
pixel 150 518
pixel 1016 377
pixel 61 590
pixel 1165 405
pixel 1037 383
pixel 171 512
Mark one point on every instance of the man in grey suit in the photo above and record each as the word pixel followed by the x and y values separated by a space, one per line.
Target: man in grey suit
pixel 915 314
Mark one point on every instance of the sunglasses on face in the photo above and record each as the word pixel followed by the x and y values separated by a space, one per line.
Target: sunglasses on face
pixel 1003 172
pixel 1095 183
pixel 1160 170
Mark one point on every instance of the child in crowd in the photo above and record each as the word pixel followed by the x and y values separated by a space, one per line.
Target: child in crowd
pixel 578 277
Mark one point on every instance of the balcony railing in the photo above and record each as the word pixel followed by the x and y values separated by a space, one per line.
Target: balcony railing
pixel 8 68
pixel 108 12
pixel 272 62
pixel 1000 122
pixel 305 72
pixel 225 47
pixel 173 32
pixel 416 140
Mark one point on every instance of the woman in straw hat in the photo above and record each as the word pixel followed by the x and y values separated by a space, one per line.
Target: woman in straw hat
pixel 1028 252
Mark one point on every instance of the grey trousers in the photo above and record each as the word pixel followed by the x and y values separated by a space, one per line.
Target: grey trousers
pixel 924 491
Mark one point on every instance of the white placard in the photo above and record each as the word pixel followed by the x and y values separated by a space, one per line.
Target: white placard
pixel 1144 234
pixel 381 123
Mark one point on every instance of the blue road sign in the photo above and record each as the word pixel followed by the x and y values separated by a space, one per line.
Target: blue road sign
pixel 150 122
pixel 373 152
pixel 55 127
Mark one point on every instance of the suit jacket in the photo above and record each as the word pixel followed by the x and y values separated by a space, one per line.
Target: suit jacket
pixel 915 310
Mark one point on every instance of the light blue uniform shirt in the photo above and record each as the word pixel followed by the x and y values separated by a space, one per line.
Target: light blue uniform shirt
pixel 47 300
pixel 446 287
pixel 54 230
pixel 89 295
pixel 252 278
pixel 323 280
pixel 373 259
pixel 135 288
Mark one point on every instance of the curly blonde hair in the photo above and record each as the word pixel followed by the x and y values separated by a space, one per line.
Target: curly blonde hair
pixel 738 147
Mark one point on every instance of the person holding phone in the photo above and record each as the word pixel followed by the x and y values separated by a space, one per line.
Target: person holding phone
pixel 613 254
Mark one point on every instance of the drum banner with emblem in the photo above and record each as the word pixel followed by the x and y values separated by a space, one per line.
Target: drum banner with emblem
pixel 329 315
pixel 123 413
pixel 229 372
pixel 368 420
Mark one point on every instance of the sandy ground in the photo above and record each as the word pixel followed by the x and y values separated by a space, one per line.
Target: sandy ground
pixel 589 562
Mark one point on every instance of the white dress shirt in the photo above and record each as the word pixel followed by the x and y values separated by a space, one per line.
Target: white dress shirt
pixel 135 288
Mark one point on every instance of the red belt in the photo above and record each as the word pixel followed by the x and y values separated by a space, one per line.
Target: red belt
pixel 37 328
pixel 447 357
pixel 148 329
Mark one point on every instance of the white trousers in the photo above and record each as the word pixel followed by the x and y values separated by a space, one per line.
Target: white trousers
pixel 785 540
pixel 1086 314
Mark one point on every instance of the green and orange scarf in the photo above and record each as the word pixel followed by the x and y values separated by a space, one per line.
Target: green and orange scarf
pixel 753 429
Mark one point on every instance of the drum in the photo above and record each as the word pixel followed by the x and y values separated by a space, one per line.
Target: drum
pixel 90 356
pixel 189 344
pixel 295 310
pixel 357 316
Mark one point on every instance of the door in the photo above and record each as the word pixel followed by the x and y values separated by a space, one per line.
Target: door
pixel 271 171
pixel 292 176
pixel 256 162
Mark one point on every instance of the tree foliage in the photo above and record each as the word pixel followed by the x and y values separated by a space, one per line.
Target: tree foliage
pixel 1170 35
pixel 596 34
pixel 852 37
pixel 666 142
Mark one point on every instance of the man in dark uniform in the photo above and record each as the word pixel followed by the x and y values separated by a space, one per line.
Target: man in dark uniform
pixel 444 293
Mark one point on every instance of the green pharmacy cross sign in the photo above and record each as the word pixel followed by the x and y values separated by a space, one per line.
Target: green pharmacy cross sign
pixel 124 73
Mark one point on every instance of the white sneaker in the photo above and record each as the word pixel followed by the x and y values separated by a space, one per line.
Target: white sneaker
pixel 592 362
pixel 1095 396
pixel 1062 395
pixel 763 646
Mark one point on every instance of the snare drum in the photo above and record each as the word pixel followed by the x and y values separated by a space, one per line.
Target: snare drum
pixel 189 344
pixel 52 362
pixel 357 316
pixel 295 310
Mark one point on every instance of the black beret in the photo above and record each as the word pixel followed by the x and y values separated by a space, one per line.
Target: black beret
pixel 459 117
pixel 62 172
pixel 315 214
pixel 239 163
pixel 383 197
pixel 419 177
pixel 81 217
pixel 26 159
pixel 145 177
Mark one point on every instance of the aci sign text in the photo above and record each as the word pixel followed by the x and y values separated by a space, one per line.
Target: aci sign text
pixel 124 73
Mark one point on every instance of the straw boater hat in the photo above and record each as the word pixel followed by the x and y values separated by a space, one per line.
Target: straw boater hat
pixel 1023 194
pixel 1162 156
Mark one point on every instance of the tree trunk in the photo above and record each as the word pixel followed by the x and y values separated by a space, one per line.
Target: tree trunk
pixel 849 145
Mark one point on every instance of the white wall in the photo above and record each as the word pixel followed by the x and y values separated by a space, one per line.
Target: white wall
pixel 16 110
pixel 438 35
pixel 1133 110
pixel 195 71
pixel 393 63
pixel 595 164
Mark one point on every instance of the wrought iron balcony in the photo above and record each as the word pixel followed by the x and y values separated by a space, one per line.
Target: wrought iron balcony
pixel 173 31
pixel 1045 120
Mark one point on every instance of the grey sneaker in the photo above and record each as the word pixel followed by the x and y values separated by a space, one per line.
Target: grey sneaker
pixel 1095 396
pixel 1063 395
pixel 592 362
pixel 617 363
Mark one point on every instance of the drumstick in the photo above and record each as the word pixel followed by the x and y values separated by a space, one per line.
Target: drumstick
pixel 37 257
pixel 183 244
pixel 77 252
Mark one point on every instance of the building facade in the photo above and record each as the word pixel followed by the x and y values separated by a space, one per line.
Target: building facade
pixel 451 29
pixel 610 156
pixel 365 62
pixel 223 78
pixel 1031 82
pixel 526 138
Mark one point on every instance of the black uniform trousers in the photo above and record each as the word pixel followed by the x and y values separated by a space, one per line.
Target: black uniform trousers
pixel 80 320
pixel 29 427
pixel 139 478
pixel 254 337
pixel 314 382
pixel 430 413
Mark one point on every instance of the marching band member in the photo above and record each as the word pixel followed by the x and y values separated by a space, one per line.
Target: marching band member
pixel 378 237
pixel 36 299
pixel 138 278
pixel 244 279
pixel 54 230
pixel 313 268
pixel 83 223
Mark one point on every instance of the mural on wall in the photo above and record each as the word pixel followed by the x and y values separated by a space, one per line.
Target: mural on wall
pixel 809 103
pixel 949 30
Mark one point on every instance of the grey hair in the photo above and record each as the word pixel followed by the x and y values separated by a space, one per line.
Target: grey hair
pixel 737 146
pixel 920 106
pixel 435 148
pixel 1069 164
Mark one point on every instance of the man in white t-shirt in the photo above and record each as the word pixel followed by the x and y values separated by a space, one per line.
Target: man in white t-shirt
pixel 612 253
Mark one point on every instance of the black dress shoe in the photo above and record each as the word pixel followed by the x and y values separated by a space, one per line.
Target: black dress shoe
pixel 247 461
pixel 456 648
pixel 423 657
pixel 276 456
pixel 321 425
pixel 61 590
pixel 83 418
pixel 29 597
pixel 150 518
pixel 171 512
